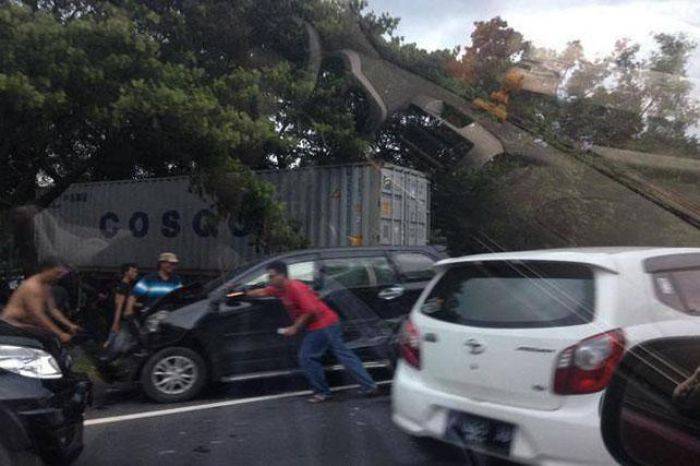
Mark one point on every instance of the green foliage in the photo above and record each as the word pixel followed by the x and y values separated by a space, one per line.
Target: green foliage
pixel 337 22
pixel 315 121
pixel 119 91
pixel 100 90
pixel 239 193
pixel 470 214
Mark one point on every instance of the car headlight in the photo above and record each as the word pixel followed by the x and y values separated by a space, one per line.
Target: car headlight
pixel 153 322
pixel 29 362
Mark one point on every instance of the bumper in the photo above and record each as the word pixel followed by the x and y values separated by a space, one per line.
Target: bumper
pixel 52 425
pixel 570 435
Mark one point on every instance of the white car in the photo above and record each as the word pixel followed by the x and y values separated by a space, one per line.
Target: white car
pixel 510 353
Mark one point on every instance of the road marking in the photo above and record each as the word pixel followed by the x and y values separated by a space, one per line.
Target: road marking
pixel 219 404
pixel 270 374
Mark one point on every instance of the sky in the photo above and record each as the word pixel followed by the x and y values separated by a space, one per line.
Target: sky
pixel 435 24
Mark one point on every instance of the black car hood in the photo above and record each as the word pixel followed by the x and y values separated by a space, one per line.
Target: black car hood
pixel 10 335
pixel 188 316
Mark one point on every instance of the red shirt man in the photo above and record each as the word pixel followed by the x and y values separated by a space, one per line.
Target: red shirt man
pixel 299 299
pixel 324 332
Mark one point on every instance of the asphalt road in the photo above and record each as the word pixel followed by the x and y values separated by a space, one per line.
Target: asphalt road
pixel 265 422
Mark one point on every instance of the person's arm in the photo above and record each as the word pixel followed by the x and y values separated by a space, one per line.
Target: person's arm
pixel 139 290
pixel 59 316
pixel 298 325
pixel 35 305
pixel 129 308
pixel 259 292
pixel 119 300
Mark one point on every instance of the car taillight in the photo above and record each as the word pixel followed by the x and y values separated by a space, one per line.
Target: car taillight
pixel 409 344
pixel 588 366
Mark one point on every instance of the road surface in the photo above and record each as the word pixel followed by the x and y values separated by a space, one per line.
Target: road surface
pixel 257 423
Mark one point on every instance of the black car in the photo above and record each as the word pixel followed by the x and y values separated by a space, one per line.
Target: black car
pixel 201 334
pixel 41 400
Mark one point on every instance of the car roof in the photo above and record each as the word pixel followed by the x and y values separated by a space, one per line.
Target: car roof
pixel 435 250
pixel 608 258
pixel 358 249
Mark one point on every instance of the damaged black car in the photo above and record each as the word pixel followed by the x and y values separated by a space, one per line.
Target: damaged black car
pixel 202 334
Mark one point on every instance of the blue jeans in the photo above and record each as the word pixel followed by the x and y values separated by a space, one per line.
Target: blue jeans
pixel 314 347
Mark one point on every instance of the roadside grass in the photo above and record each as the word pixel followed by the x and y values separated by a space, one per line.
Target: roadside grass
pixel 83 363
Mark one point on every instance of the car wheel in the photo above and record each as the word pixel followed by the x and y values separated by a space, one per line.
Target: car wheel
pixel 173 374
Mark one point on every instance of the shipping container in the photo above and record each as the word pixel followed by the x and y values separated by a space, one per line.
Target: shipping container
pixel 97 226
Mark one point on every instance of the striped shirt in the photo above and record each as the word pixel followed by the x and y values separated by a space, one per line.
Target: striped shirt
pixel 152 287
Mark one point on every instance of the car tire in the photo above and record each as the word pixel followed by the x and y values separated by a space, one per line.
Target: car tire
pixel 185 365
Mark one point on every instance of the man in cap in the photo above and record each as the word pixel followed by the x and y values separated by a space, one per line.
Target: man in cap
pixel 155 285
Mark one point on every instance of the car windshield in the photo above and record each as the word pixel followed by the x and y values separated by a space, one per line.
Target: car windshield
pixel 458 220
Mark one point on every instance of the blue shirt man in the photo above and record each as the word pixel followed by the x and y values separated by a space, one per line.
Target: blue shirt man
pixel 156 285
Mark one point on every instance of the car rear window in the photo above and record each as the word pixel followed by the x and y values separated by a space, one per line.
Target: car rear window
pixel 679 289
pixel 514 295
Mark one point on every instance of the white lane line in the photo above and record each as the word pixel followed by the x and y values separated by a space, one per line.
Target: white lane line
pixel 220 404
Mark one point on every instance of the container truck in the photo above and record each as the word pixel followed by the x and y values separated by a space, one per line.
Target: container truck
pixel 98 226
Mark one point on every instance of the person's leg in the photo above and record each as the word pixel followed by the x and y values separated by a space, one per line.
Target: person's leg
pixel 349 359
pixel 313 347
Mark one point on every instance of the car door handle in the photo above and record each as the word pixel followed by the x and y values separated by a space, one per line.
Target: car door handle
pixel 392 292
pixel 430 337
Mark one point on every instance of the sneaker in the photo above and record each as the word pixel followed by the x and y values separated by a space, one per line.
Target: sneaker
pixel 318 398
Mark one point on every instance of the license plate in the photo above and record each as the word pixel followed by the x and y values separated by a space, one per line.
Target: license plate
pixel 479 433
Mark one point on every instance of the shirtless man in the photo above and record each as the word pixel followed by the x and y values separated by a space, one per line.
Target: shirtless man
pixel 31 307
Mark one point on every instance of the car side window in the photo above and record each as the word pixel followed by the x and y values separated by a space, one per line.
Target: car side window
pixel 383 271
pixel 352 272
pixel 679 289
pixel 358 272
pixel 302 271
pixel 414 266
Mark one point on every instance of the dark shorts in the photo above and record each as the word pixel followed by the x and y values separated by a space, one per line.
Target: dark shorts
pixel 9 329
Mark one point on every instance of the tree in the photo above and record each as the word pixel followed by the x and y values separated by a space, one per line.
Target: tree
pixel 320 124
pixel 100 90
pixel 93 96
pixel 621 100
pixel 669 111
pixel 602 98
pixel 494 48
